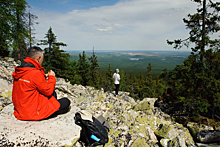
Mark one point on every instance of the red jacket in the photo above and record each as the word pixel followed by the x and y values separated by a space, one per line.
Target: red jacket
pixel 32 93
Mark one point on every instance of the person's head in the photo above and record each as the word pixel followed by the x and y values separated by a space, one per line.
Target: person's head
pixel 36 53
pixel 117 70
pixel 159 97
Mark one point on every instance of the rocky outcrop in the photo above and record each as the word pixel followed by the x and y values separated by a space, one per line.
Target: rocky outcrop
pixel 57 131
pixel 209 136
pixel 133 123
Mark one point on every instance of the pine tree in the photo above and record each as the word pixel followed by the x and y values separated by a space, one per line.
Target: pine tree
pixel 134 88
pixel 94 66
pixel 83 68
pixel 56 58
pixel 108 80
pixel 50 61
pixel 149 85
pixel 6 19
pixel 196 82
pixel 123 80
pixel 20 30
pixel 202 25
pixel 14 31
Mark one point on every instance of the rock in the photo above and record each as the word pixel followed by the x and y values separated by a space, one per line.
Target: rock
pixel 143 105
pixel 5 85
pixel 175 133
pixel 195 128
pixel 58 131
pixel 209 136
pixel 207 145
pixel 164 142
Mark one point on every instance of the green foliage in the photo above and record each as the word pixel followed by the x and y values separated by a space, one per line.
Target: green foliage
pixel 196 83
pixel 6 19
pixel 83 68
pixel 107 80
pixel 55 58
pixel 94 66
pixel 15 29
pixel 19 30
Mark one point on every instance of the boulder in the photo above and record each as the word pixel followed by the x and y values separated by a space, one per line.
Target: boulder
pixel 209 136
pixel 195 128
pixel 57 131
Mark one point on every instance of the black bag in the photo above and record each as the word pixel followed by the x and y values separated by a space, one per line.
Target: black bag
pixel 91 128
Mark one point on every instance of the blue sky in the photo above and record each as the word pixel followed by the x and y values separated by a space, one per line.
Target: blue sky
pixel 65 6
pixel 112 24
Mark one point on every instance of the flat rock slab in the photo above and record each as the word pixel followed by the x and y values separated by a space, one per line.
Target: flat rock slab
pixel 58 131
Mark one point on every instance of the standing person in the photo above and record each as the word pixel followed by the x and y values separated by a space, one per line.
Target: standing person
pixel 33 93
pixel 116 78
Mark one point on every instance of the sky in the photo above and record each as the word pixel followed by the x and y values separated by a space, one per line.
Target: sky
pixel 113 24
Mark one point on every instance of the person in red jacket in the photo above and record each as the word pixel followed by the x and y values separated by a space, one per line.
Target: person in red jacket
pixel 33 93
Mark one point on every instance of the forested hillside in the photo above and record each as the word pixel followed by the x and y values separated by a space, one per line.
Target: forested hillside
pixel 194 86
pixel 134 62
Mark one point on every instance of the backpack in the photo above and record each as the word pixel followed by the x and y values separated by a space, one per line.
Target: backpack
pixel 93 133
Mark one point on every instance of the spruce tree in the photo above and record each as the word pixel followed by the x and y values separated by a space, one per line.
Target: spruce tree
pixel 196 82
pixel 108 81
pixel 6 19
pixel 123 80
pixel 83 70
pixel 14 31
pixel 56 58
pixel 94 66
pixel 19 30
pixel 51 53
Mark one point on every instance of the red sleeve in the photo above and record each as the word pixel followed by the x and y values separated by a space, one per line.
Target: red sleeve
pixel 45 87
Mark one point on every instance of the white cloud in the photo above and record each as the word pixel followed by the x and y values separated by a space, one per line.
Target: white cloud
pixel 129 24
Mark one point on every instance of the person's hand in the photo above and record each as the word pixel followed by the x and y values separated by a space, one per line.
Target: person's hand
pixel 46 75
pixel 51 73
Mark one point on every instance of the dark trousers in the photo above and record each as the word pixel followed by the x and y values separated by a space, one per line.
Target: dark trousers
pixel 64 102
pixel 116 89
pixel 64 106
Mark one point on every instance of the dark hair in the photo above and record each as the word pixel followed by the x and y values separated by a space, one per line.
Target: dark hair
pixel 34 51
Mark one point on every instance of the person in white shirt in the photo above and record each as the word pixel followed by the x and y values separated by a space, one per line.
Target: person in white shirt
pixel 116 78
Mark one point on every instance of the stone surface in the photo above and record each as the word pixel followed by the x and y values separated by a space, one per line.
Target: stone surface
pixel 209 136
pixel 57 131
pixel 195 128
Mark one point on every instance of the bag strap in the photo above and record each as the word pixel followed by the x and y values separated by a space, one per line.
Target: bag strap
pixel 79 121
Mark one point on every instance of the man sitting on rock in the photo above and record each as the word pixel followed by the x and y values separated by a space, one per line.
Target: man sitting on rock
pixel 33 93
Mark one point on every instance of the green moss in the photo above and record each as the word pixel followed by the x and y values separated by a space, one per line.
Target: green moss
pixel 175 142
pixel 111 131
pixel 73 143
pixel 140 143
pixel 101 97
pixel 3 95
pixel 9 93
pixel 162 130
pixel 142 106
pixel 80 99
pixel 109 144
pixel 116 133
pixel 110 106
pixel 6 94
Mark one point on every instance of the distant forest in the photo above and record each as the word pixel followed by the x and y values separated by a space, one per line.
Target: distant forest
pixel 136 62
pixel 190 86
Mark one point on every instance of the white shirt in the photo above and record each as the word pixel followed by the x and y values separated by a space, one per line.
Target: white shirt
pixel 116 78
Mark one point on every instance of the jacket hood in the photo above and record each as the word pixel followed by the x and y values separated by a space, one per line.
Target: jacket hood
pixel 22 70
